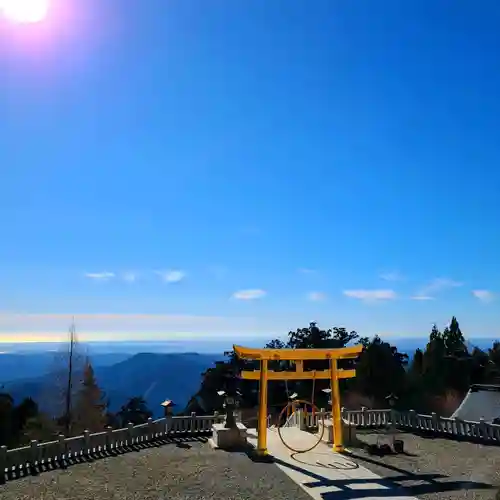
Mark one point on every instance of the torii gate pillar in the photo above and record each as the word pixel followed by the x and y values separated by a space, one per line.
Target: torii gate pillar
pixel 262 426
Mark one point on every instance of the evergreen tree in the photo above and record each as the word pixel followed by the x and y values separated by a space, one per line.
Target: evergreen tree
pixel 135 411
pixel 433 369
pixel 6 419
pixel 417 364
pixel 22 413
pixel 380 371
pixel 454 340
pixel 479 367
pixel 39 427
pixel 494 363
pixel 89 409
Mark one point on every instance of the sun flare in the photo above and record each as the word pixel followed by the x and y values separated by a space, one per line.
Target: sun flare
pixel 24 11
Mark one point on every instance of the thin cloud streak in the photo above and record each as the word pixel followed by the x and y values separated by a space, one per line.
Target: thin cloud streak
pixel 172 275
pixel 306 270
pixel 371 295
pixel 316 296
pixel 435 286
pixel 483 295
pixel 392 276
pixel 103 276
pixel 251 294
pixel 129 277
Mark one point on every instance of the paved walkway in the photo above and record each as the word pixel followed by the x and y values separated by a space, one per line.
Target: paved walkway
pixel 324 474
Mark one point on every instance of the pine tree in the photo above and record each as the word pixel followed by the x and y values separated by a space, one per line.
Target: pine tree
pixel 446 366
pixel 89 409
pixel 6 418
pixel 435 334
pixel 454 340
pixel 135 411
pixel 433 369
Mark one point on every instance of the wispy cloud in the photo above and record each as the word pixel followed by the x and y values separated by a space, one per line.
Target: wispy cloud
pixel 483 295
pixel 316 296
pixel 371 295
pixel 422 297
pixel 172 275
pixel 103 276
pixel 129 277
pixel 392 276
pixel 306 270
pixel 251 294
pixel 435 286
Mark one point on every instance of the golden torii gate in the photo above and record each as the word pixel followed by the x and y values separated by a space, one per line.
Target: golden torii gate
pixel 298 356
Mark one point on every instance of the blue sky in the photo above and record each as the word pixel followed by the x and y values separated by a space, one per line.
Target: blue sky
pixel 204 169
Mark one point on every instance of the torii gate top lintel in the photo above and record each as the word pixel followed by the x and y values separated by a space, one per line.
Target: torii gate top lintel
pixel 297 354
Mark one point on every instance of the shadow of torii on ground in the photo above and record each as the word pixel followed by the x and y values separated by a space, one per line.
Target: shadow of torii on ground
pixel 353 488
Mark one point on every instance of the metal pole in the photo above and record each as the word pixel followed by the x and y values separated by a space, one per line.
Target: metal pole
pixel 262 430
pixel 336 414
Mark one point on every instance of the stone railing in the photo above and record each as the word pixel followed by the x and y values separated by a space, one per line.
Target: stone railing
pixel 432 424
pixel 300 418
pixel 62 450
pixel 407 420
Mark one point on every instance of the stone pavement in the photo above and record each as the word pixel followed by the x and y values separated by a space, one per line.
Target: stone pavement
pixel 324 474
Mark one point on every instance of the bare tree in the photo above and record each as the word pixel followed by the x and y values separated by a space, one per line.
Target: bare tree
pixel 64 381
pixel 69 387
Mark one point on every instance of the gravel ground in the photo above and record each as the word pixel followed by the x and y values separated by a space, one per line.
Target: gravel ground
pixel 461 470
pixel 166 472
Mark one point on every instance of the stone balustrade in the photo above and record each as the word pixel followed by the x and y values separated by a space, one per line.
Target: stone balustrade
pixel 64 449
pixel 412 421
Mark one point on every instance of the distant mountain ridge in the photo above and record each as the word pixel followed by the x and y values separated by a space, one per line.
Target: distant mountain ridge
pixel 19 366
pixel 154 376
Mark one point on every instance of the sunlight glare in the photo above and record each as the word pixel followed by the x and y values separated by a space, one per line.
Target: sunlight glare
pixel 25 11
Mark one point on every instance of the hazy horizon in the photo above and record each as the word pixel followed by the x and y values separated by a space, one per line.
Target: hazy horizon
pixel 125 327
pixel 214 346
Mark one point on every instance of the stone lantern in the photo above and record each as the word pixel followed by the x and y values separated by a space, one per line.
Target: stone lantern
pixel 231 402
pixel 397 444
pixel 391 400
pixel 328 391
pixel 168 409
pixel 230 434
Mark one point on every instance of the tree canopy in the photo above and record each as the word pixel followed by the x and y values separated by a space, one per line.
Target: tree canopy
pixel 135 411
pixel 89 411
